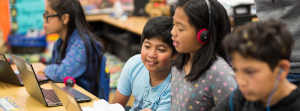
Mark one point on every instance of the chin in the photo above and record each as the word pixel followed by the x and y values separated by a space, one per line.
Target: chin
pixel 251 98
pixel 152 69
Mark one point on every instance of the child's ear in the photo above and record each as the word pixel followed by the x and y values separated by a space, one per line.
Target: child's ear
pixel 65 18
pixel 285 67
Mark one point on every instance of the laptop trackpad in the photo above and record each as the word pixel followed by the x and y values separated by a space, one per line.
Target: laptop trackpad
pixel 78 95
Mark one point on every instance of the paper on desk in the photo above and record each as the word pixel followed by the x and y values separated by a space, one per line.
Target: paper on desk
pixel 103 105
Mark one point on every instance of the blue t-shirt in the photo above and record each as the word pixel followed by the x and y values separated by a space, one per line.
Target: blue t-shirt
pixel 135 80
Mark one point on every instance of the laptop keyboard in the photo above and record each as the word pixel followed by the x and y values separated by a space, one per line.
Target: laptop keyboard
pixel 51 96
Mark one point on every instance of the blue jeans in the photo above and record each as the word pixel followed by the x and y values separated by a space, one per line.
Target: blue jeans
pixel 294 77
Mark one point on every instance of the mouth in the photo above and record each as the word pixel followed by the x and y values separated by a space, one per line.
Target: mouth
pixel 175 43
pixel 151 63
pixel 245 92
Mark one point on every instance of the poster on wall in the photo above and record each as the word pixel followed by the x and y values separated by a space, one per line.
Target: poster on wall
pixel 26 14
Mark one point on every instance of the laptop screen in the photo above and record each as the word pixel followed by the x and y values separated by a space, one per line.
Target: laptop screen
pixel 66 98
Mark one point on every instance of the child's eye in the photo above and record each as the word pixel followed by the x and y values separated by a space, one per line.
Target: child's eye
pixel 250 72
pixel 161 50
pixel 147 47
pixel 180 30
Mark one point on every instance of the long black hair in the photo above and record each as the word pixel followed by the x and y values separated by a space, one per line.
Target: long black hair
pixel 77 21
pixel 197 12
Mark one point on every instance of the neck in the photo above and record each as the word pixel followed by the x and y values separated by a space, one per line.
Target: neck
pixel 283 90
pixel 158 77
pixel 63 34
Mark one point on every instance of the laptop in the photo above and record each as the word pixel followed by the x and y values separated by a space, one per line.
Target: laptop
pixel 9 76
pixel 47 97
pixel 67 99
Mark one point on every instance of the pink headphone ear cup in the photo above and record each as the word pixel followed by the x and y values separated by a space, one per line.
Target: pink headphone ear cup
pixel 66 78
pixel 199 35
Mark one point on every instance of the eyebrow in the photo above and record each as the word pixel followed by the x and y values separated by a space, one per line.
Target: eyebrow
pixel 159 45
pixel 179 23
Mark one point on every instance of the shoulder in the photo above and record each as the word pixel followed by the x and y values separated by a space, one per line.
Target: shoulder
pixel 135 60
pixel 76 43
pixel 220 67
pixel 135 66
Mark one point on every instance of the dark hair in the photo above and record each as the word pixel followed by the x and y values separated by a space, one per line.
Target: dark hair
pixel 267 41
pixel 197 12
pixel 77 21
pixel 159 28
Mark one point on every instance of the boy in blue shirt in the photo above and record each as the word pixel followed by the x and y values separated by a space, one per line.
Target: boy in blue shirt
pixel 147 76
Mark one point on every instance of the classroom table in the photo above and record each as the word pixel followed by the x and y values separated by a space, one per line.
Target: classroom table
pixel 133 24
pixel 19 95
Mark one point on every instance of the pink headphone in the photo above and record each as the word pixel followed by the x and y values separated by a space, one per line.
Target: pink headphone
pixel 203 35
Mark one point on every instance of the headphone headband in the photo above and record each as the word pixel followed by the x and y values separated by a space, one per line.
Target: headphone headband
pixel 203 35
pixel 209 15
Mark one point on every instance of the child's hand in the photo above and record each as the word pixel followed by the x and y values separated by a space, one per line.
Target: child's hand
pixel 147 109
pixel 38 67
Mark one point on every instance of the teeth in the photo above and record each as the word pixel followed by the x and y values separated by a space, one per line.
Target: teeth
pixel 152 62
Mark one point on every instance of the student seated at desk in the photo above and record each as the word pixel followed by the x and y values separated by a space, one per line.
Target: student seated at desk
pixel 261 58
pixel 77 53
pixel 147 76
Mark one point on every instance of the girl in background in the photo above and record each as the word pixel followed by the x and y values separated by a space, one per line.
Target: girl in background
pixel 77 53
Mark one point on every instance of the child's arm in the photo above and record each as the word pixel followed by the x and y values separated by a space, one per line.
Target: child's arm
pixel 120 98
pixel 73 65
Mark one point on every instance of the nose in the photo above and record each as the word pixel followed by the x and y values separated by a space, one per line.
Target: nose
pixel 240 80
pixel 152 53
pixel 44 20
pixel 173 32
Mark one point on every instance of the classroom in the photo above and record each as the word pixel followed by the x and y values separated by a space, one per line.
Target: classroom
pixel 149 55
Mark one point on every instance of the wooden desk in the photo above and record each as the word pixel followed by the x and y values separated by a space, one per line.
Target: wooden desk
pixel 123 37
pixel 27 103
pixel 133 24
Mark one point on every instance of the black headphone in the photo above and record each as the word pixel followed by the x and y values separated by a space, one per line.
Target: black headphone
pixel 203 35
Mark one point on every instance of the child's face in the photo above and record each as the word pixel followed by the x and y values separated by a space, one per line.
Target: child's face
pixel 184 35
pixel 53 25
pixel 156 55
pixel 255 79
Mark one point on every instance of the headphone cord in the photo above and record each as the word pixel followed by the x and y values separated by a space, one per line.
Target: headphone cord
pixel 272 93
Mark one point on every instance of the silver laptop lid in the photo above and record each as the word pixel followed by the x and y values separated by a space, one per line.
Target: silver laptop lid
pixel 66 98
pixel 29 79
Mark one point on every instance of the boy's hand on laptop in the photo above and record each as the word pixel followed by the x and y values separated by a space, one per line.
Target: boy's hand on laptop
pixel 147 109
pixel 38 67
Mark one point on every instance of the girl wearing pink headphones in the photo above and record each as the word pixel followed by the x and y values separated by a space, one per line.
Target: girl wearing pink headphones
pixel 202 77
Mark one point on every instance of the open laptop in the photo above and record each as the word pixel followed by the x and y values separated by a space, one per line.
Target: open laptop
pixel 66 98
pixel 47 97
pixel 9 76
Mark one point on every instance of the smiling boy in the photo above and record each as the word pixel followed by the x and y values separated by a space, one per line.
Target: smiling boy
pixel 147 76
